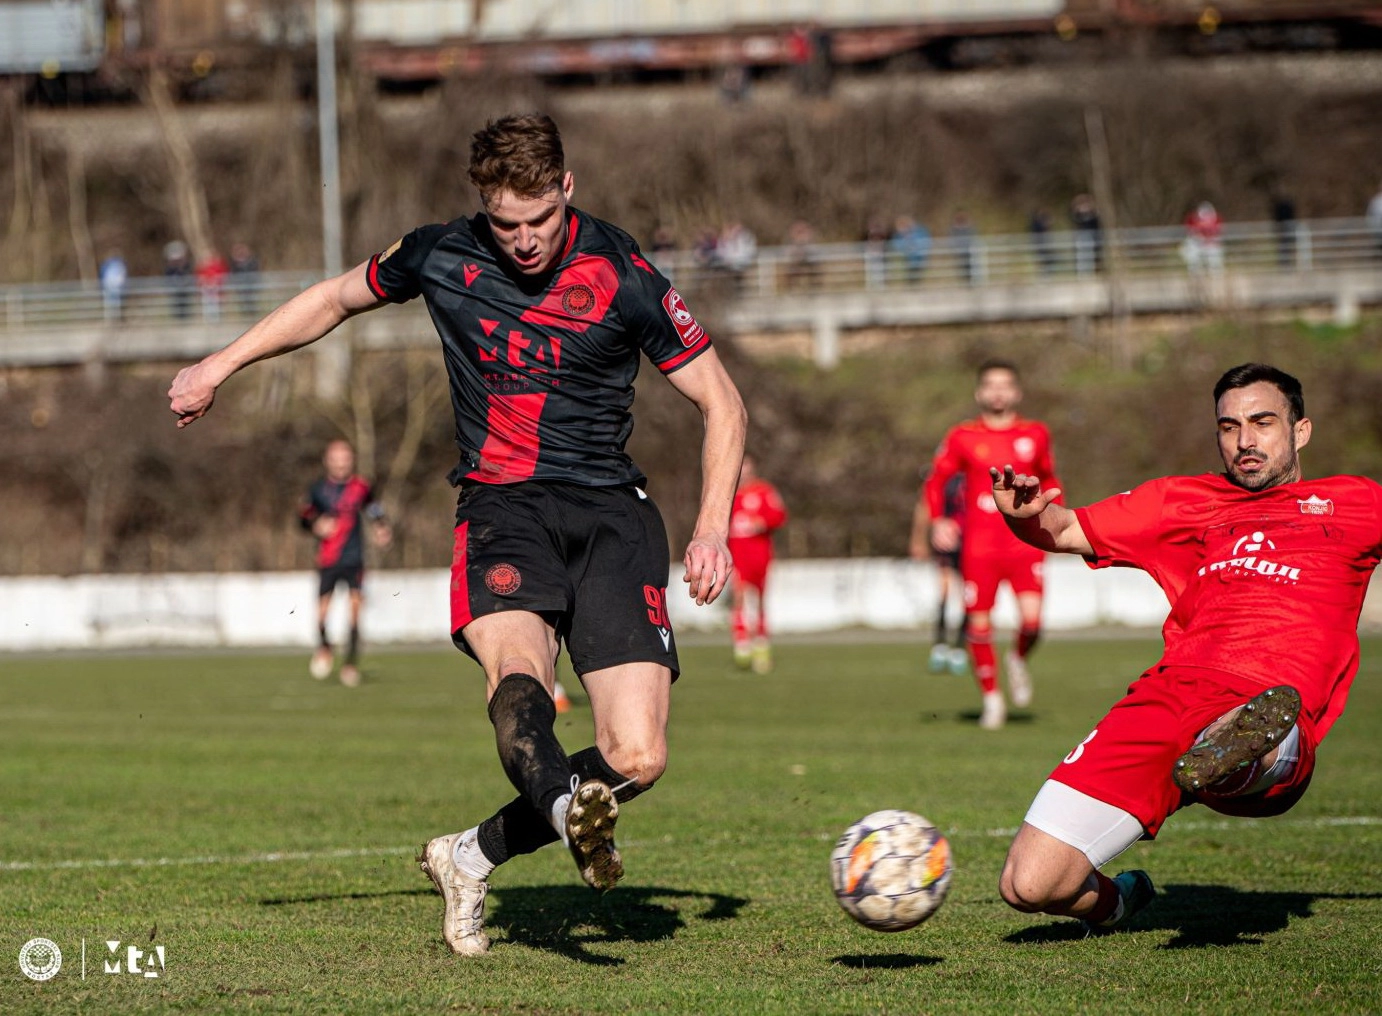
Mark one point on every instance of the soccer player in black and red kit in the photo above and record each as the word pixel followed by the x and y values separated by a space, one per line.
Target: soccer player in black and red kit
pixel 1265 572
pixel 543 313
pixel 333 512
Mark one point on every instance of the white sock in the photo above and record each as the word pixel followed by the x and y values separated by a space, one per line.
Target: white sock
pixel 558 816
pixel 469 858
pixel 1287 755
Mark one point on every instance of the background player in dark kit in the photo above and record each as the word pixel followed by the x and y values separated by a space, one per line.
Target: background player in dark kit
pixel 332 512
pixel 543 312
pixel 1266 574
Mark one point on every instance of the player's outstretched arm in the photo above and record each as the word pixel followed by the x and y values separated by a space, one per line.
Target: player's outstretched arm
pixel 302 320
pixel 706 383
pixel 1033 516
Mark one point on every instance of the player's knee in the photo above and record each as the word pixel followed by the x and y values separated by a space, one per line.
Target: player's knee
pixel 642 763
pixel 1030 891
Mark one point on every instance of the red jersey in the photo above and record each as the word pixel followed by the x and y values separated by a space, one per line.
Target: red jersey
pixel 756 512
pixel 1266 585
pixel 969 450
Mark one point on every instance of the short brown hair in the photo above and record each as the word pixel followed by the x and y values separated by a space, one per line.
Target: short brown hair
pixel 518 153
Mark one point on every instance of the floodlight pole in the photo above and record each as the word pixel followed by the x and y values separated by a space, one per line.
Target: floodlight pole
pixel 333 358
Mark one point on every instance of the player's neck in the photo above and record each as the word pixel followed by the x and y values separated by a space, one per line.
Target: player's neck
pixel 999 421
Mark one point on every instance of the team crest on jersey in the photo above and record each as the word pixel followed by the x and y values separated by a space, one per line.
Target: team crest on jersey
pixel 578 300
pixel 1316 505
pixel 503 579
pixel 1024 448
pixel 686 325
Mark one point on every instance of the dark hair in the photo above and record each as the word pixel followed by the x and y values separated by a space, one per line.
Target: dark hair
pixel 1250 373
pixel 521 153
pixel 1007 365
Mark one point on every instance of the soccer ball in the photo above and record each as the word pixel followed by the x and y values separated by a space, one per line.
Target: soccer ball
pixel 891 870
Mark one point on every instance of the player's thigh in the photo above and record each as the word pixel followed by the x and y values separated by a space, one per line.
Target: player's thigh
pixel 982 573
pixel 513 642
pixel 1025 576
pixel 630 703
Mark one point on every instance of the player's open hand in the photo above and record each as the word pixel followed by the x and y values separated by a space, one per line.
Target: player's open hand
pixel 191 394
pixel 708 565
pixel 1018 495
pixel 945 535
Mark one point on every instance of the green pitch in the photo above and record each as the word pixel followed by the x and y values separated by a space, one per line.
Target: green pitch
pixel 260 826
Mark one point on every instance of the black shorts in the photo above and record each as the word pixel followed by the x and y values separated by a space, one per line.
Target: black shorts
pixel 353 575
pixel 592 561
pixel 947 558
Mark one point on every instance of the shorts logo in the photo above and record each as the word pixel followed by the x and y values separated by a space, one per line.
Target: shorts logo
pixel 578 301
pixel 503 579
pixel 40 959
pixel 1316 505
pixel 656 599
pixel 686 325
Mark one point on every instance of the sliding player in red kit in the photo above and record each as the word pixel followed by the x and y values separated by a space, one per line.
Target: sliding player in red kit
pixel 756 514
pixel 990 554
pixel 1266 574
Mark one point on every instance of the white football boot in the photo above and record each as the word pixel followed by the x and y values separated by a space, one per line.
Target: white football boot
pixel 1019 679
pixel 463 922
pixel 994 713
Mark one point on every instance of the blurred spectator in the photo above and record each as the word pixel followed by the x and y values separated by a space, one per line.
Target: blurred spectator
pixel 115 277
pixel 964 239
pixel 736 249
pixel 177 271
pixel 1375 221
pixel 1089 240
pixel 875 254
pixel 800 255
pixel 911 243
pixel 734 84
pixel 704 250
pixel 664 242
pixel 244 278
pixel 1039 226
pixel 211 280
pixel 1203 248
pixel 1284 219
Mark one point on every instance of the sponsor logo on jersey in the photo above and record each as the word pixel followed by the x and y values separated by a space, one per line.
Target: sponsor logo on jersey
pixel 503 579
pixel 1316 505
pixel 578 300
pixel 1247 561
pixel 388 253
pixel 686 325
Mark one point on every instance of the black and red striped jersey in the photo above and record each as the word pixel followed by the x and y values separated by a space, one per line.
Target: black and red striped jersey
pixel 542 367
pixel 345 502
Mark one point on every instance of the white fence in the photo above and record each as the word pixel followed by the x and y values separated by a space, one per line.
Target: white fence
pixel 279 609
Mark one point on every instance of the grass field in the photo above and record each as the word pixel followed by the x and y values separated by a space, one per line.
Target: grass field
pixel 261 827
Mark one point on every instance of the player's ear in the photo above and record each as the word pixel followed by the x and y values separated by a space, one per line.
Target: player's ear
pixel 1303 429
pixel 568 184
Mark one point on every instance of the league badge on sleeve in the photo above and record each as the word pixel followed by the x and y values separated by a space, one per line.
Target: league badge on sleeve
pixel 687 326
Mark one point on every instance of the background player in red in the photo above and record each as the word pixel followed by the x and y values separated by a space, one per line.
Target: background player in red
pixel 757 513
pixel 544 314
pixel 1266 574
pixel 333 512
pixel 947 651
pixel 990 553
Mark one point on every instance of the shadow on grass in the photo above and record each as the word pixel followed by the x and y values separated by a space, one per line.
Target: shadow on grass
pixel 279 901
pixel 567 920
pixel 971 716
pixel 891 961
pixel 1203 915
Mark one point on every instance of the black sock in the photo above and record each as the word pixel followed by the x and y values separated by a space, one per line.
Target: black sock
pixel 940 625
pixel 518 829
pixel 321 634
pixel 353 653
pixel 523 715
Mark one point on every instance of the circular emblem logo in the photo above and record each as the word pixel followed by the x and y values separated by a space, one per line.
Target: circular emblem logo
pixel 503 579
pixel 40 959
pixel 1024 448
pixel 578 301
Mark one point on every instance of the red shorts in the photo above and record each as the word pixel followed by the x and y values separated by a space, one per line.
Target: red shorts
pixel 752 557
pixel 983 572
pixel 1126 761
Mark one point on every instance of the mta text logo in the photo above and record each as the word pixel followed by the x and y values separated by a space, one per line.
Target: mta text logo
pixel 133 960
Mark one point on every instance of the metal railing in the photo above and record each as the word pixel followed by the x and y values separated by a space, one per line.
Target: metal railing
pixel 776 273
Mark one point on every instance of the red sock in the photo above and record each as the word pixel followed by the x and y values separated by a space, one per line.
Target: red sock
pixel 1107 903
pixel 981 651
pixel 739 627
pixel 1027 639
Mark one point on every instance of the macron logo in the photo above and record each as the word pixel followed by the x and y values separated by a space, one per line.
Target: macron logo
pixel 472 272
